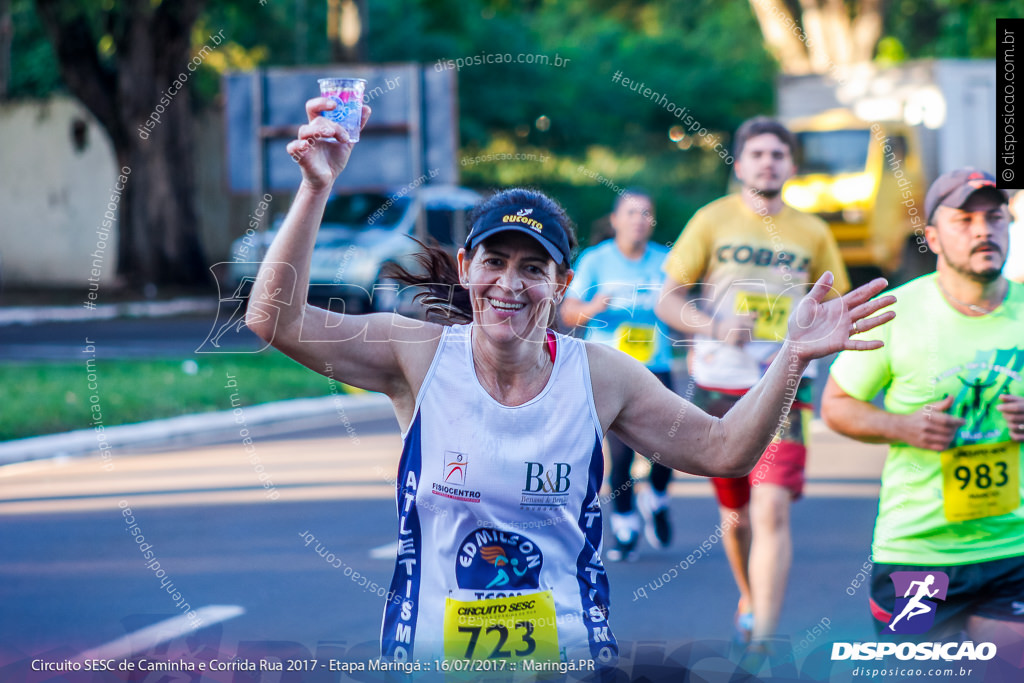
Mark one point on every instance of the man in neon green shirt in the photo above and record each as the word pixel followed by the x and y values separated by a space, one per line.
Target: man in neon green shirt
pixel 952 369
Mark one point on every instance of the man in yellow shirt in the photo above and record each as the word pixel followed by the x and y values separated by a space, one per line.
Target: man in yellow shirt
pixel 753 258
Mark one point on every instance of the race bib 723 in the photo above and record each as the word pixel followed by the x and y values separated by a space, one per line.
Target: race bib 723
pixel 513 628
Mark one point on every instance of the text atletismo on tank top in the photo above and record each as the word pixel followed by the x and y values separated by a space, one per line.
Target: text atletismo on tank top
pixel 499 532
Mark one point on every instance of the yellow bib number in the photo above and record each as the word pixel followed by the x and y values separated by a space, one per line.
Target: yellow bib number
pixel 636 340
pixel 772 313
pixel 981 480
pixel 514 628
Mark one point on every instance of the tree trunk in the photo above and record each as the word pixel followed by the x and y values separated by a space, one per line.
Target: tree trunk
pixel 840 38
pixel 814 26
pixel 832 40
pixel 783 42
pixel 158 236
pixel 866 30
pixel 346 30
pixel 6 39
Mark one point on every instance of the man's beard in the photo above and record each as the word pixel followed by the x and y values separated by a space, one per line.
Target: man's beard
pixel 983 277
pixel 765 194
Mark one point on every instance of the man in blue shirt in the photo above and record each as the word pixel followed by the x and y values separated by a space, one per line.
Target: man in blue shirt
pixel 613 294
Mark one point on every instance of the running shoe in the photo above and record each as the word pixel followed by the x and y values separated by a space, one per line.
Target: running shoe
pixel 626 530
pixel 743 627
pixel 657 527
pixel 754 656
pixel 767 650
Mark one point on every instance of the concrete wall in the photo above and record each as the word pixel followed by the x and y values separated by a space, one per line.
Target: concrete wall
pixel 54 193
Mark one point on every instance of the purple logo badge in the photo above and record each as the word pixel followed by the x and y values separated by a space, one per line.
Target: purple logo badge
pixel 915 612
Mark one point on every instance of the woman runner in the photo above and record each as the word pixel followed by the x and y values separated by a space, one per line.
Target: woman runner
pixel 502 419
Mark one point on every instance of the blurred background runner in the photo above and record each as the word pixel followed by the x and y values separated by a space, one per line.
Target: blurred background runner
pixel 612 296
pixel 753 257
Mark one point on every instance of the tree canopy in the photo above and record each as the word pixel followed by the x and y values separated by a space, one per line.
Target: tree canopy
pixel 707 57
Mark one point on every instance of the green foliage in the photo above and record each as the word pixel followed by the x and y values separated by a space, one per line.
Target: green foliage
pixel 948 28
pixel 253 34
pixel 890 52
pixel 286 32
pixel 54 397
pixel 33 65
pixel 706 56
pixel 685 50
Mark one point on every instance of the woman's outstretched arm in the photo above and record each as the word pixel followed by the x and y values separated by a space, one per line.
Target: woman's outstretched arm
pixel 674 432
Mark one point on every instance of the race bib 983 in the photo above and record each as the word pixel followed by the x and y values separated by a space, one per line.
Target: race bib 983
pixel 982 480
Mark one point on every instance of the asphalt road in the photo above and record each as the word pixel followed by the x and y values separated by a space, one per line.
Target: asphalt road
pixel 74 582
pixel 167 337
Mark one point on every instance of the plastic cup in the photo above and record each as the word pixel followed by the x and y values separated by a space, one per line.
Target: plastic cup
pixel 347 94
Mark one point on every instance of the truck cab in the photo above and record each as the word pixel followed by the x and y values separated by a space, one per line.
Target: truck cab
pixel 865 180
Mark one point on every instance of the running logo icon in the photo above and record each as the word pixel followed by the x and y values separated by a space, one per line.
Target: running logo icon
pixel 455 465
pixel 454 473
pixel 489 559
pixel 914 613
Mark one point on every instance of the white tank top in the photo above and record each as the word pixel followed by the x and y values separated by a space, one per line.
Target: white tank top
pixel 499 519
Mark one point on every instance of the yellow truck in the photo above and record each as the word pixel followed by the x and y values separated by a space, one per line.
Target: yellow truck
pixel 866 181
pixel 872 144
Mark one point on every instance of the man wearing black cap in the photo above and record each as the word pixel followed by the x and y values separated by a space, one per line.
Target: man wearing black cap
pixel 952 369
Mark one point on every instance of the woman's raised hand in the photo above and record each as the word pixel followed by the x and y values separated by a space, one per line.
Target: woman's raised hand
pixel 818 328
pixel 322 148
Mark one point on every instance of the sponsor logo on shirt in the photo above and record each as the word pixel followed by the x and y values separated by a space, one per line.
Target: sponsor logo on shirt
pixel 455 466
pixel 761 256
pixel 495 563
pixel 455 471
pixel 976 392
pixel 546 486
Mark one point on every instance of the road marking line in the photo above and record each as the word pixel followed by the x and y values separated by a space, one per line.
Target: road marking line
pixel 161 632
pixel 306 493
pixel 387 551
pixel 236 497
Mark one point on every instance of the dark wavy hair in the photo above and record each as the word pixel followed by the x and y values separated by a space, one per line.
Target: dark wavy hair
pixel 633 191
pixel 443 296
pixel 759 125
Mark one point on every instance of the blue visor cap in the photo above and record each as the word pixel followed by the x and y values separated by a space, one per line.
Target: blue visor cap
pixel 535 222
